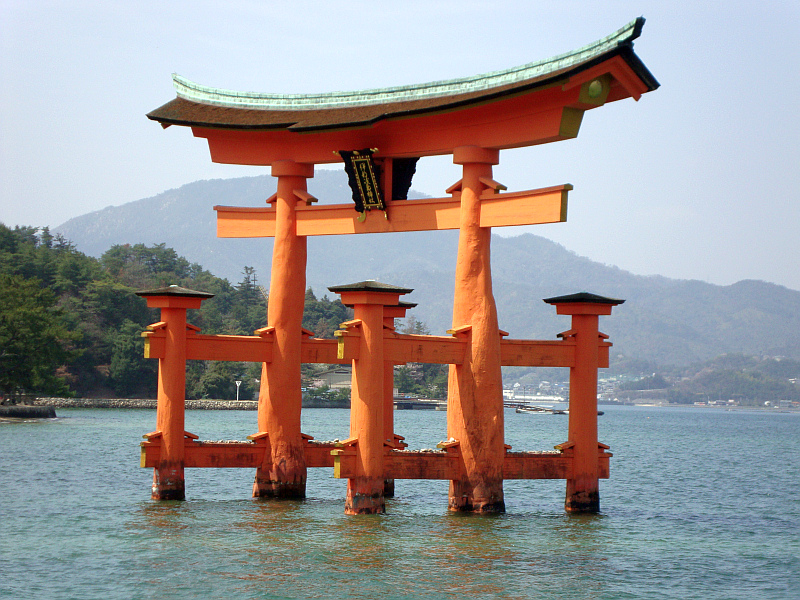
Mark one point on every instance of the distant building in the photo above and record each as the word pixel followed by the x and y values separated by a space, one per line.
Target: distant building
pixel 336 378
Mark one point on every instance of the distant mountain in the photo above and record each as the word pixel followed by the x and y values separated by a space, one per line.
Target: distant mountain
pixel 663 320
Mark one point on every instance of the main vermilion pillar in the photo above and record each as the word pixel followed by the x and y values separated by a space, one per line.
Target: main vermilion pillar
pixel 168 477
pixel 583 486
pixel 280 397
pixel 475 388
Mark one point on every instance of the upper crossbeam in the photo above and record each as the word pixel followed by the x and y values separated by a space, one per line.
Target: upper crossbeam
pixel 531 207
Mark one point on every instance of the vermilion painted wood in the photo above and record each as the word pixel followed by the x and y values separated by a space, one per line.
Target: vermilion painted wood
pixel 475 391
pixel 280 396
pixel 229 455
pixel 168 476
pixel 533 207
pixel 475 460
pixel 399 349
pixel 444 466
pixel 583 491
pixel 365 486
pixel 526 119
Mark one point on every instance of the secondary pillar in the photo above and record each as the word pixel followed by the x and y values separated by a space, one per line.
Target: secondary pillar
pixel 390 313
pixel 365 491
pixel 583 487
pixel 168 477
pixel 280 397
pixel 475 388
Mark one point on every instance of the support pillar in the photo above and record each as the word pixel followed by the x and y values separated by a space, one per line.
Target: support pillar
pixel 280 397
pixel 168 477
pixel 475 389
pixel 365 491
pixel 390 313
pixel 583 487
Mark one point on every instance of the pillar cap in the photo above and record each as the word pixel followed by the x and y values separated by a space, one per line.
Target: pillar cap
pixel 463 155
pixel 289 168
pixel 405 305
pixel 397 311
pixel 370 285
pixel 174 291
pixel 583 298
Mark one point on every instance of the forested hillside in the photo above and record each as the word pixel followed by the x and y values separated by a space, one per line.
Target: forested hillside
pixel 663 321
pixel 70 323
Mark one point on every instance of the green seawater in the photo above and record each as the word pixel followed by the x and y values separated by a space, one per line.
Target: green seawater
pixel 701 503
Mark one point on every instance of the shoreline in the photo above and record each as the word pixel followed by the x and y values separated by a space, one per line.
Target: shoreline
pixel 144 403
pixel 151 403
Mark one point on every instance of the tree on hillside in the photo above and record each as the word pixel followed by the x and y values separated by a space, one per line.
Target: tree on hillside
pixel 217 380
pixel 323 316
pixel 248 286
pixel 34 341
pixel 248 308
pixel 141 266
pixel 423 379
pixel 651 382
pixel 129 374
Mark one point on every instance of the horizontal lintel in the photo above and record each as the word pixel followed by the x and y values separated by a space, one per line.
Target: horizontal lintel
pixel 532 207
pixel 537 353
pixel 399 349
pixel 407 348
pixel 316 350
pixel 444 466
pixel 233 454
pixel 397 464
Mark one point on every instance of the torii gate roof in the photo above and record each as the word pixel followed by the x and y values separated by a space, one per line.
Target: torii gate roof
pixel 392 119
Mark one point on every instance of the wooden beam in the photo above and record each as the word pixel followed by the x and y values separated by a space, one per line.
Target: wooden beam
pixel 436 349
pixel 422 465
pixel 400 349
pixel 213 347
pixel 228 347
pixel 233 454
pixel 536 465
pixel 537 353
pixel 447 465
pixel 318 454
pixel 532 207
pixel 398 464
pixel 510 122
pixel 210 454
pixel 316 350
pixel 241 348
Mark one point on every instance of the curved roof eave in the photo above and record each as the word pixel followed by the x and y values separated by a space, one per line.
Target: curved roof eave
pixel 200 106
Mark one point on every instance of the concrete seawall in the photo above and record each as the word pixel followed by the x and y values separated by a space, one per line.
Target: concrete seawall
pixel 144 403
pixel 190 404
pixel 27 412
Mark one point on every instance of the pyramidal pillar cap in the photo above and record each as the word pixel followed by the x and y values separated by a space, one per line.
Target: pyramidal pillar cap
pixel 173 296
pixel 370 292
pixel 174 290
pixel 583 303
pixel 370 285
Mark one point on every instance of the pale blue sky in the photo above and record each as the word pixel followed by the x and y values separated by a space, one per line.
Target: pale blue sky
pixel 699 179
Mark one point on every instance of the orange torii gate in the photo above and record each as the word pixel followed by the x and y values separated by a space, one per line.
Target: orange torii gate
pixel 380 134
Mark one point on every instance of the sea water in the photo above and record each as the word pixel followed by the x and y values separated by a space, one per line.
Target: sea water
pixel 701 503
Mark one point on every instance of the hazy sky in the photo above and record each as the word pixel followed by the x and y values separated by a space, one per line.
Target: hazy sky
pixel 698 179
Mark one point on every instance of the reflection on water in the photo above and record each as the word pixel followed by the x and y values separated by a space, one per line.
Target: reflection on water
pixel 90 530
pixel 281 548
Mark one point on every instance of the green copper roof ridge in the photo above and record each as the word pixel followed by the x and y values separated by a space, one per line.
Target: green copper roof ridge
pixel 194 92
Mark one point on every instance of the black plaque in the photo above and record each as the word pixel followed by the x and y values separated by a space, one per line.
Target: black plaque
pixel 364 177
